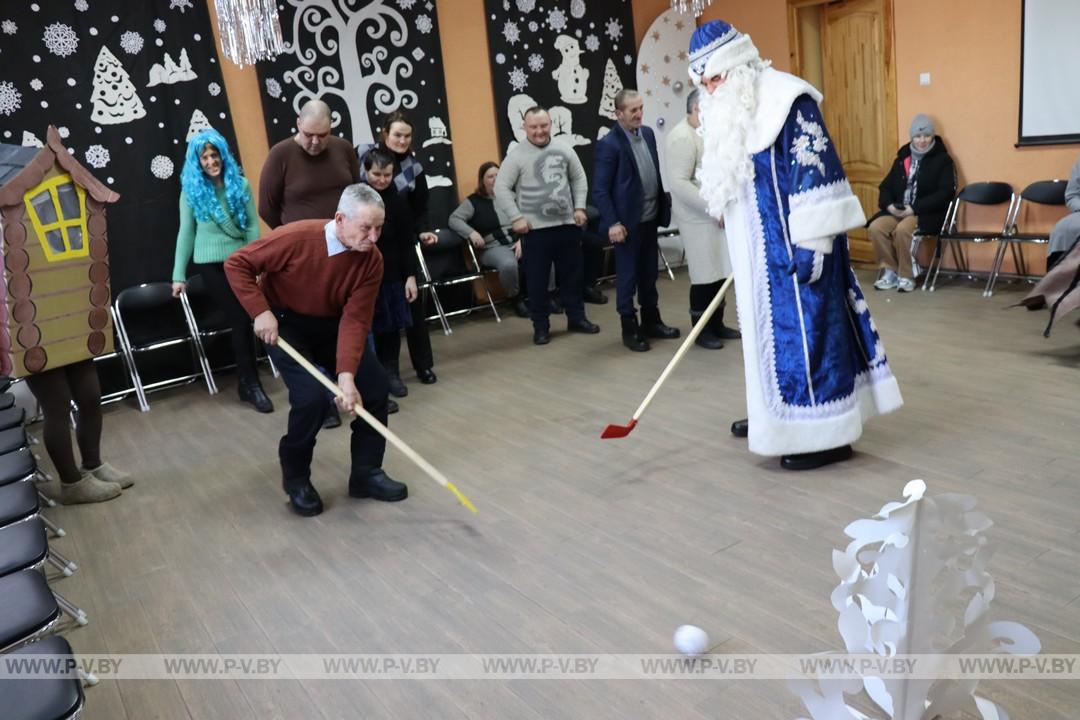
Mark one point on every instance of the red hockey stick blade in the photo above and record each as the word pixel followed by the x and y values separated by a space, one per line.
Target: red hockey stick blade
pixel 617 431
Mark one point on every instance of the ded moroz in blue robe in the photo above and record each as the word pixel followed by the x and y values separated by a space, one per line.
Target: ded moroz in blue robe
pixel 815 365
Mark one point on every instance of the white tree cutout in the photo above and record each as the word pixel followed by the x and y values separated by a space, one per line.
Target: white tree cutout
pixel 197 124
pixel 114 98
pixel 913 580
pixel 612 85
pixel 328 28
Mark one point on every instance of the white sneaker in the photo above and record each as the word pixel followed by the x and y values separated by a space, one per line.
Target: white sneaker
pixel 887 281
pixel 905 285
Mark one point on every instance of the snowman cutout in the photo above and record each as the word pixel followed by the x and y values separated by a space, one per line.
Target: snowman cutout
pixel 570 76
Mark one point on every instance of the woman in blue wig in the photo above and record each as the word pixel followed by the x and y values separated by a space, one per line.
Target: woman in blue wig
pixel 217 216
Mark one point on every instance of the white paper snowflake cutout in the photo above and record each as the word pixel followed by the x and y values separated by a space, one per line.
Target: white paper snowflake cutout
pixel 63 131
pixel 60 39
pixel 556 20
pixel 628 59
pixel 180 5
pixel 37 84
pixel 9 27
pixel 273 88
pixel 97 156
pixel 511 33
pixel 518 79
pixel 424 24
pixel 526 5
pixel 592 43
pixel 131 42
pixel 533 26
pixel 214 89
pixel 82 5
pixel 10 98
pixel 613 29
pixel 577 8
pixel 159 25
pixel 536 62
pixel 500 58
pixel 161 167
pixel 406 4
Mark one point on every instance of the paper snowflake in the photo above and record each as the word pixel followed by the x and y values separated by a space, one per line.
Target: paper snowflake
pixel 82 5
pixel 97 156
pixel 161 167
pixel 526 5
pixel 214 89
pixel 518 79
pixel 10 98
pixel 9 27
pixel 37 84
pixel 180 5
pixel 500 58
pixel 533 26
pixel 159 25
pixel 592 43
pixel 424 24
pixel 511 32
pixel 556 20
pixel 273 88
pixel 628 59
pixel 577 8
pixel 406 4
pixel 613 29
pixel 60 39
pixel 536 62
pixel 63 131
pixel 131 42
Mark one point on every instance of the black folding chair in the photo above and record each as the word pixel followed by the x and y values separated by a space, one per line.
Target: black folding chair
pixel 957 229
pixel 1046 193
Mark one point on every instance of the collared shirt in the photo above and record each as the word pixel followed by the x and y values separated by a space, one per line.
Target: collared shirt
pixel 333 245
pixel 650 183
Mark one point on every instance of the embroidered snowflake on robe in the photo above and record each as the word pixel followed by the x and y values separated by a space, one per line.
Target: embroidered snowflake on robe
pixel 809 144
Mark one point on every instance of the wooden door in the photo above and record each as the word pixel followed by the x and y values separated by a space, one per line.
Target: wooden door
pixel 859 78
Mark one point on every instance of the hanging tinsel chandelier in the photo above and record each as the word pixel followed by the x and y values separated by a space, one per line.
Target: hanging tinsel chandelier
pixel 695 7
pixel 250 30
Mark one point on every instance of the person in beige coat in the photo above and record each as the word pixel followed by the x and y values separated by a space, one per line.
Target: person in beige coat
pixel 703 238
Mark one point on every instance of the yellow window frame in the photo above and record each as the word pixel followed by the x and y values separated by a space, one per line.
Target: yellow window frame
pixel 62 224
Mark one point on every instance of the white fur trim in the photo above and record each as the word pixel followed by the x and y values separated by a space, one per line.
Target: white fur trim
pixel 810 224
pixel 821 245
pixel 776 92
pixel 819 266
pixel 737 52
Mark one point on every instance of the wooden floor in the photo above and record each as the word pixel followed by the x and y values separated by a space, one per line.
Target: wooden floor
pixel 580 545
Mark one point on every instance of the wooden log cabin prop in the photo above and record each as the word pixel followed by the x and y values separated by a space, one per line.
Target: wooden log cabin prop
pixel 55 283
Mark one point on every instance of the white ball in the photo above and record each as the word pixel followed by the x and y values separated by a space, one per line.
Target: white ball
pixel 691 640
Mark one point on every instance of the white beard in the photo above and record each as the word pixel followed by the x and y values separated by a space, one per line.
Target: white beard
pixel 726 118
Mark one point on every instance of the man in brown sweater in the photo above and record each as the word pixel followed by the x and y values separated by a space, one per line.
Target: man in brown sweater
pixel 303 176
pixel 318 289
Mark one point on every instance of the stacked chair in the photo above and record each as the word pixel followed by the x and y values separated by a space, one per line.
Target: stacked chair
pixel 29 608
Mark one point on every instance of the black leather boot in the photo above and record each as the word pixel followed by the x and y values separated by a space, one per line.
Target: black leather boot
pixel 377 485
pixel 810 461
pixel 397 387
pixel 304 499
pixel 251 392
pixel 716 324
pixel 631 334
pixel 653 327
pixel 740 428
pixel 707 339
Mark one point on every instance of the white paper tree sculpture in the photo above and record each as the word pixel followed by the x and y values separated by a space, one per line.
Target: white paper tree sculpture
pixel 114 99
pixel 913 581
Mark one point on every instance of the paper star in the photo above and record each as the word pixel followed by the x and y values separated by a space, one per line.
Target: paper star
pixel 656 36
pixel 666 80
pixel 682 55
pixel 644 69
pixel 679 25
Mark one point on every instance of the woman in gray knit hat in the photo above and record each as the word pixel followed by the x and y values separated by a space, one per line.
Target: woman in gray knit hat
pixel 914 195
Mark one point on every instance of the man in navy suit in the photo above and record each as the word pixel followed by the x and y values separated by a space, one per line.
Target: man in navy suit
pixel 629 193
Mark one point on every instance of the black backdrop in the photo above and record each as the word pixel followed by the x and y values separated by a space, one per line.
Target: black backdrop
pixel 98 71
pixel 571 56
pixel 365 58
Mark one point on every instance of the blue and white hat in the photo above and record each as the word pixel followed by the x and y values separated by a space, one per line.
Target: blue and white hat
pixel 717 47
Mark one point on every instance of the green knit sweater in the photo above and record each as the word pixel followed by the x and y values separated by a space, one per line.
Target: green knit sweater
pixel 211 242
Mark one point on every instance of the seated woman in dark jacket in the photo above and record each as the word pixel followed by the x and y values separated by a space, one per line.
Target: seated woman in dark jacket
pixel 915 194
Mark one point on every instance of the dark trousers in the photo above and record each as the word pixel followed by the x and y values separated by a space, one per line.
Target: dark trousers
pixel 316 339
pixel 592 251
pixel 242 336
pixel 636 269
pixel 417 337
pixel 55 389
pixel 562 246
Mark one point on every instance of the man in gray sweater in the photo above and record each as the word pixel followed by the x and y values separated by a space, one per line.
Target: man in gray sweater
pixel 541 188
